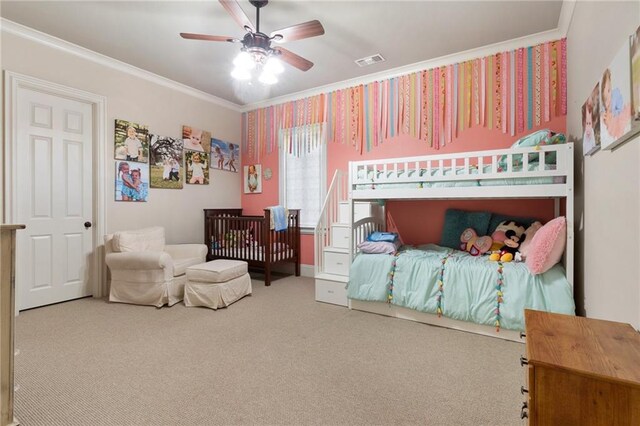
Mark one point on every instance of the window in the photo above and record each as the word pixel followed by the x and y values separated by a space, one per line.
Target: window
pixel 303 183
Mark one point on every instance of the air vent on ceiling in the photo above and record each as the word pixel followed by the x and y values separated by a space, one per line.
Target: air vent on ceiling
pixel 370 60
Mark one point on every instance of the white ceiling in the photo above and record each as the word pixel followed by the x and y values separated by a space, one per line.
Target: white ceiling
pixel 145 34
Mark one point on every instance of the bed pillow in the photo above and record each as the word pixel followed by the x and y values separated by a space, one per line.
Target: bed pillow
pixel 379 247
pixel 538 138
pixel 456 221
pixel 547 246
pixel 525 247
pixel 383 236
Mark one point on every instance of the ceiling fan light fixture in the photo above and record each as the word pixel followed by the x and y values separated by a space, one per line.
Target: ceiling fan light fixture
pixel 241 73
pixel 244 61
pixel 273 66
pixel 267 78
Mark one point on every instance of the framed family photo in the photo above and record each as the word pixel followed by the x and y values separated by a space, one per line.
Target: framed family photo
pixel 132 181
pixel 195 139
pixel 165 162
pixel 615 101
pixel 591 122
pixel 197 165
pixel 253 179
pixel 225 155
pixel 131 141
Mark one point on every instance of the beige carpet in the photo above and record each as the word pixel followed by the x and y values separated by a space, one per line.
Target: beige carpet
pixel 276 357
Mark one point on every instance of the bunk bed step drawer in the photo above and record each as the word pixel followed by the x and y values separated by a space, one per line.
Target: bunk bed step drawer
pixel 361 210
pixel 336 263
pixel 331 292
pixel 340 236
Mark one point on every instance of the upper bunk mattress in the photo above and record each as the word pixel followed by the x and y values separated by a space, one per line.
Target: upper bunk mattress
pixel 470 290
pixel 379 180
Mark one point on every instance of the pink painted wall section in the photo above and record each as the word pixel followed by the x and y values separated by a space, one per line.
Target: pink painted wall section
pixel 404 213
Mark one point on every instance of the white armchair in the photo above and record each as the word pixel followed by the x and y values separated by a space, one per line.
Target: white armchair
pixel 145 271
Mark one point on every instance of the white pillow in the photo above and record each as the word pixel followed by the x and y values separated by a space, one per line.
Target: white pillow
pixel 146 239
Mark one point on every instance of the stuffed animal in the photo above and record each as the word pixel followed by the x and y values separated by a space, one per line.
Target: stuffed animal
pixel 500 233
pixel 514 236
pixel 474 245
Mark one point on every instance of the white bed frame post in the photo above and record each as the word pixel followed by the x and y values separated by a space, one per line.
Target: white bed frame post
pixel 569 253
pixel 351 214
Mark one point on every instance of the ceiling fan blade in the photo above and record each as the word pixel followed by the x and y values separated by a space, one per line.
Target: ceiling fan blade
pixel 238 15
pixel 298 32
pixel 207 37
pixel 294 60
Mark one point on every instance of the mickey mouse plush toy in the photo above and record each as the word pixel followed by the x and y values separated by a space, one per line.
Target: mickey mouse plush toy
pixel 514 236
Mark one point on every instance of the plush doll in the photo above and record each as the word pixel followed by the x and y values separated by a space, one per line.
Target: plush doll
pixel 514 234
pixel 474 245
pixel 500 234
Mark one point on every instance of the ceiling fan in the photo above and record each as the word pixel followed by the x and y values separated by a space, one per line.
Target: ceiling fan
pixel 256 46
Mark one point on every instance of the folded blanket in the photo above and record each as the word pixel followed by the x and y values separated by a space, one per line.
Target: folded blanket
pixel 278 218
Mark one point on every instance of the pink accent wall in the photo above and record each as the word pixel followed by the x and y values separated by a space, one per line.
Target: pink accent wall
pixel 404 213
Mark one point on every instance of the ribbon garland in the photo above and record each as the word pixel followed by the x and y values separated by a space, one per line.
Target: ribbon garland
pixel 499 296
pixel 434 105
pixel 440 294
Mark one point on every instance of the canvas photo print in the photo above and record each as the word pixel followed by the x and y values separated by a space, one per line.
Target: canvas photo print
pixel 591 122
pixel 635 78
pixel 195 139
pixel 165 162
pixel 197 165
pixel 225 155
pixel 131 141
pixel 615 101
pixel 132 181
pixel 253 179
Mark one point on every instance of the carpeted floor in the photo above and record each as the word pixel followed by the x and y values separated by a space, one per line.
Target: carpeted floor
pixel 277 357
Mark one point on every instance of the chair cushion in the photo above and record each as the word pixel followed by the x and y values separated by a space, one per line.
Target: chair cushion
pixel 217 271
pixel 146 239
pixel 180 265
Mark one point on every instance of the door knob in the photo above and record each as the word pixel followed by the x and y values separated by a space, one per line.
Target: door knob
pixel 87 225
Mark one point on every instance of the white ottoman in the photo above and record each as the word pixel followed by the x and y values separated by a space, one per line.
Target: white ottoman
pixel 216 284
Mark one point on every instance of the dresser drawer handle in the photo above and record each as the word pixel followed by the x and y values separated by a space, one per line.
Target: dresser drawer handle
pixel 523 390
pixel 524 414
pixel 523 361
pixel 523 335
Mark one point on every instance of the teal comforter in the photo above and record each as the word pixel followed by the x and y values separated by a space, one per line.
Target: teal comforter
pixel 469 285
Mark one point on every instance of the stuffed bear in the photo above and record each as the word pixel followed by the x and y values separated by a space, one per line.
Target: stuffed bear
pixel 474 245
pixel 506 240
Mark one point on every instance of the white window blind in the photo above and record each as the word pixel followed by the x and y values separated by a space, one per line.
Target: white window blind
pixel 303 183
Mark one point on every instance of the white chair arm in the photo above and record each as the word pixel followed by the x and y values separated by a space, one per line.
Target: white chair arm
pixel 139 260
pixel 183 251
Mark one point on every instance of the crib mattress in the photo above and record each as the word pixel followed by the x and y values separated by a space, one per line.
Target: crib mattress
pixel 469 286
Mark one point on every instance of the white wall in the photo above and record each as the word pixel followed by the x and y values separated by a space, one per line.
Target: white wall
pixel 164 110
pixel 608 183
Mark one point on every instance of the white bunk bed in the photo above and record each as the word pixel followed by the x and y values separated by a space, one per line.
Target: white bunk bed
pixel 544 172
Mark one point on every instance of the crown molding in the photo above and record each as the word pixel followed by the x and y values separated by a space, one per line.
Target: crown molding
pixel 31 34
pixel 564 20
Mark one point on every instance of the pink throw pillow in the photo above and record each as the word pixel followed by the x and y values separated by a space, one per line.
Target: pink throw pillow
pixel 525 247
pixel 547 246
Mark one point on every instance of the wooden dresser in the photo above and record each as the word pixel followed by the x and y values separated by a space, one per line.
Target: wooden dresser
pixel 580 371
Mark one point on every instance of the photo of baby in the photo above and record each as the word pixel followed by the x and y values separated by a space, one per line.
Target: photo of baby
pixel 197 164
pixel 591 122
pixel 196 139
pixel 615 101
pixel 225 155
pixel 131 142
pixel 253 179
pixel 132 181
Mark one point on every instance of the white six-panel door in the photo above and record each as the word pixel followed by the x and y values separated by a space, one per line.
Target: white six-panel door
pixel 54 198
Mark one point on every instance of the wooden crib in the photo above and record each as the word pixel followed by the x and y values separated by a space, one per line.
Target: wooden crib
pixel 230 235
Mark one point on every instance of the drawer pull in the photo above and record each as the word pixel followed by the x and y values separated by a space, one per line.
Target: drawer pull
pixel 523 361
pixel 330 291
pixel 523 390
pixel 524 414
pixel 338 263
pixel 523 335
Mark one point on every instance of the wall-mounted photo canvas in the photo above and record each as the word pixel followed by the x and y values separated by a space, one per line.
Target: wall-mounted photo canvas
pixel 165 162
pixel 131 141
pixel 197 165
pixel 615 101
pixel 132 181
pixel 195 139
pixel 253 179
pixel 591 122
pixel 635 80
pixel 225 155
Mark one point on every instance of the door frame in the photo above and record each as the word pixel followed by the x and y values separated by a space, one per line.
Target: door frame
pixel 14 81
